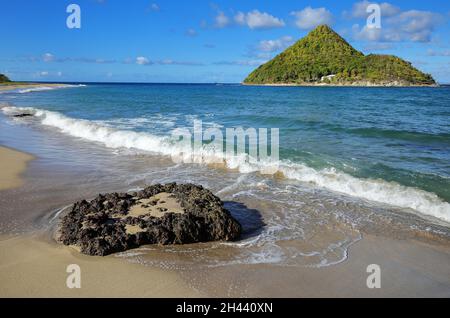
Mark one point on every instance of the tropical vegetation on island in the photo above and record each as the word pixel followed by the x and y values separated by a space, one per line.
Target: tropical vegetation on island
pixel 324 57
pixel 4 78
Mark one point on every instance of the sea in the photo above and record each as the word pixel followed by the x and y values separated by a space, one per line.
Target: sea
pixel 351 160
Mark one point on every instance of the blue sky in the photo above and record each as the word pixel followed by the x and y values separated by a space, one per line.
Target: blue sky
pixel 203 41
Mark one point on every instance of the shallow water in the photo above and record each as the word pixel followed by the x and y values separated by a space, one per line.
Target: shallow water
pixel 354 161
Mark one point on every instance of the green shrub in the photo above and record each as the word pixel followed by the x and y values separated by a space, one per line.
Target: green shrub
pixel 4 78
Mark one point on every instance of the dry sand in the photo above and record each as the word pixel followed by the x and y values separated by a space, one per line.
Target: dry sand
pixel 33 267
pixel 12 164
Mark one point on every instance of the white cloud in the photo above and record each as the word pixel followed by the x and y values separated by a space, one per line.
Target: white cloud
pixel 221 20
pixel 141 60
pixel 359 9
pixel 258 20
pixel 417 24
pixel 275 45
pixel 376 35
pixel 366 34
pixel 377 47
pixel 388 10
pixel 59 73
pixel 191 32
pixel 309 18
pixel 438 53
pixel 154 7
pixel 239 18
pixel 242 62
pixel 253 19
pixel 412 25
pixel 396 25
pixel 166 62
pixel 43 73
pixel 48 57
pixel 172 62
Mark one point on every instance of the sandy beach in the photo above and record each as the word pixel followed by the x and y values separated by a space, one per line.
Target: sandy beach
pixel 14 85
pixel 13 163
pixel 408 269
pixel 33 267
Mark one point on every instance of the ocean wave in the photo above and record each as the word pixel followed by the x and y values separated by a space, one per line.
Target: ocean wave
pixel 414 136
pixel 376 190
pixel 47 88
pixel 153 121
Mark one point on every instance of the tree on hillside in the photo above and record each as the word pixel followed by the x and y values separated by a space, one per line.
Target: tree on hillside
pixel 4 78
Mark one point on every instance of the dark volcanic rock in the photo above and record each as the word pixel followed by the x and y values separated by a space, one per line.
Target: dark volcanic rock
pixel 103 225
pixel 23 115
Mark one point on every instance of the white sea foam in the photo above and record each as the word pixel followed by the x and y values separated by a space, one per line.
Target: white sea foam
pixel 47 88
pixel 155 122
pixel 370 189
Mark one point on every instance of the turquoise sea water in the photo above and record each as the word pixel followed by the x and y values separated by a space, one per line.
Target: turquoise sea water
pixel 376 159
pixel 399 135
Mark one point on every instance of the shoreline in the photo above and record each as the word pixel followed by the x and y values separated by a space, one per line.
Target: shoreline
pixel 337 85
pixel 13 163
pixel 6 87
pixel 33 266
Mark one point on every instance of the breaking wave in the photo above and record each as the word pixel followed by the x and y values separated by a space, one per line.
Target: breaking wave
pixel 47 88
pixel 376 190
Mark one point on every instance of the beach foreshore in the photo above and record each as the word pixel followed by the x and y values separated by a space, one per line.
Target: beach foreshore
pixel 34 267
pixel 13 163
pixel 17 85
pixel 33 264
pixel 355 84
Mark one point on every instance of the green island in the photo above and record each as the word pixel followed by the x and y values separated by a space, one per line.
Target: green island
pixel 323 57
pixel 4 79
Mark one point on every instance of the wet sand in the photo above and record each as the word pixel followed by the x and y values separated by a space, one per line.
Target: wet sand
pixel 407 268
pixel 33 267
pixel 13 163
pixel 13 86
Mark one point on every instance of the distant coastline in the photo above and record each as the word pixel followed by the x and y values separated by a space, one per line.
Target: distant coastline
pixel 14 85
pixel 9 86
pixel 355 84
